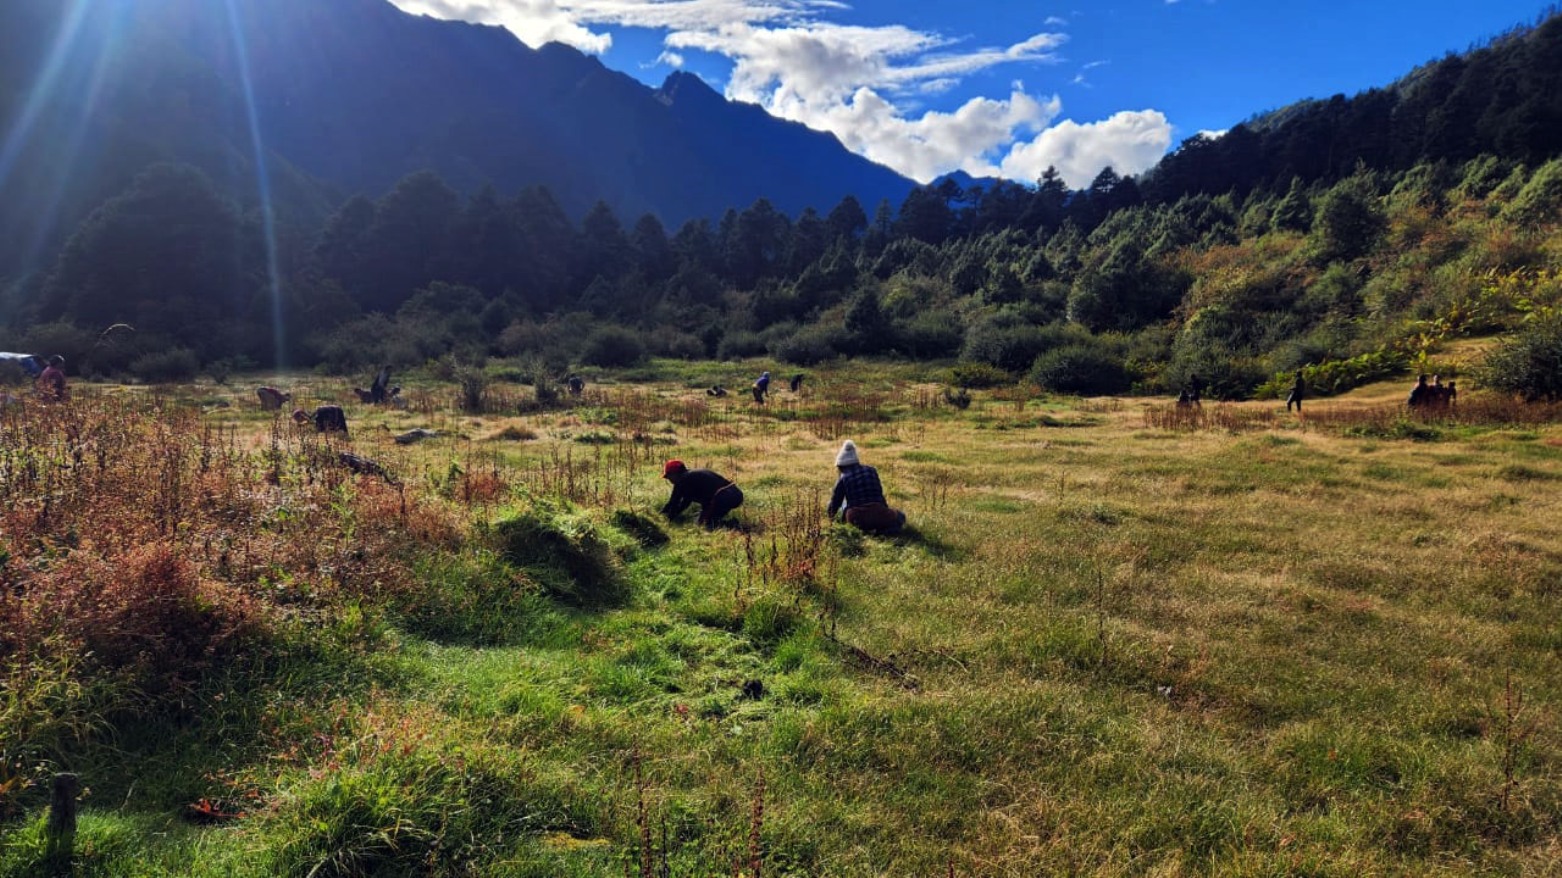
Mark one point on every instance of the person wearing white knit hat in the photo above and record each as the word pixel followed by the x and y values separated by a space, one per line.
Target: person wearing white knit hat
pixel 859 496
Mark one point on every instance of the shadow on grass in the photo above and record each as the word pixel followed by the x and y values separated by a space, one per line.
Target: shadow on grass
pixel 934 546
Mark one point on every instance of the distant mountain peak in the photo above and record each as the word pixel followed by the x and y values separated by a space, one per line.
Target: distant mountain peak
pixel 682 86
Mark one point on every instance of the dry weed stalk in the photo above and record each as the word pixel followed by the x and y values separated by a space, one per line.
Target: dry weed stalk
pixel 1485 410
pixel 755 825
pixel 155 544
pixel 1514 730
pixel 1227 418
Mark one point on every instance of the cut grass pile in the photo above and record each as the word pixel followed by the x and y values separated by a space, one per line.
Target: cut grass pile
pixel 1114 641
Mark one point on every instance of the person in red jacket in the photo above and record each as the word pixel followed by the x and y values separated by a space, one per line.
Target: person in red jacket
pixel 716 495
pixel 51 382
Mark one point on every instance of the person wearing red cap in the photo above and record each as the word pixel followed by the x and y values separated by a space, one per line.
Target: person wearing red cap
pixel 715 494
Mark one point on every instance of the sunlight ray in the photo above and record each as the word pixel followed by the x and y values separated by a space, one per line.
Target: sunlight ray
pixel 262 185
pixel 43 89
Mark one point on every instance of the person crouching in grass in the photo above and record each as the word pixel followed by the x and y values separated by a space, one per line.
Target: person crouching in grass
pixel 716 495
pixel 859 496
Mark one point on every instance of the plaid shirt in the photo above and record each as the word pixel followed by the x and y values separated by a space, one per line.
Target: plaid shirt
pixel 857 486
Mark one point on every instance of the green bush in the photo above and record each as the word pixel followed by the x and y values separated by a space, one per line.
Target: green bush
pixel 978 375
pixel 1083 369
pixel 1540 201
pixel 167 366
pixel 612 347
pixel 1529 364
pixel 929 336
pixel 740 346
pixel 812 345
pixel 1337 376
pixel 1015 346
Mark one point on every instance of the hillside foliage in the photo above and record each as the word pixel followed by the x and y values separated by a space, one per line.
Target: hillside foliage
pixel 1236 259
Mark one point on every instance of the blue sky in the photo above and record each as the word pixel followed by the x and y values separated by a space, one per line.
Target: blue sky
pixel 1008 87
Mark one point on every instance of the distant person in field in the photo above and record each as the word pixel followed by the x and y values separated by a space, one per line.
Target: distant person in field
pixel 51 381
pixel 1298 393
pixel 1196 390
pixel 716 390
pixel 576 384
pixel 1185 399
pixel 1451 393
pixel 761 387
pixel 1420 395
pixel 716 495
pixel 859 496
pixel 379 391
pixel 326 418
pixel 797 382
pixel 1437 393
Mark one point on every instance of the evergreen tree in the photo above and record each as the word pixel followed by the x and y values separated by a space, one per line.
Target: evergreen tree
pixel 1294 212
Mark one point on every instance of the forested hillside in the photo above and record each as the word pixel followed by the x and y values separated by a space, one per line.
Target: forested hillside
pixel 1343 237
pixel 291 106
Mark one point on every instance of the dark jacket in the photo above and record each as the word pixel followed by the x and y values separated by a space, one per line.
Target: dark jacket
pixel 857 486
pixel 696 486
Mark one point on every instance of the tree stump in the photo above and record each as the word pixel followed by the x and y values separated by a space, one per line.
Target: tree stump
pixel 62 821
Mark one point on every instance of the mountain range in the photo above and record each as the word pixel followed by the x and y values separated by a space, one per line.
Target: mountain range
pixel 350 96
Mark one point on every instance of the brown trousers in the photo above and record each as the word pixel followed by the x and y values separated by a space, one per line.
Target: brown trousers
pixel 875 518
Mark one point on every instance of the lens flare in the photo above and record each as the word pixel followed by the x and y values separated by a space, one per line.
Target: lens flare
pixel 262 186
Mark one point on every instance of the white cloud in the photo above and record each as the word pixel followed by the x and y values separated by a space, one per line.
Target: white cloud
pixel 534 21
pixel 1131 142
pixel 859 83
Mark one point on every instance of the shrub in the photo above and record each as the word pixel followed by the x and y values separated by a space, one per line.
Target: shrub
pixel 566 555
pixel 612 347
pixel 1337 376
pixel 166 366
pixel 811 345
pixel 667 342
pixel 1083 369
pixel 474 385
pixel 1540 200
pixel 978 375
pixel 929 337
pixel 1529 364
pixel 740 345
pixel 1002 346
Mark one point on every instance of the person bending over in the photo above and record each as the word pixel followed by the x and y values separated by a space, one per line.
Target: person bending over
pixel 859 496
pixel 716 495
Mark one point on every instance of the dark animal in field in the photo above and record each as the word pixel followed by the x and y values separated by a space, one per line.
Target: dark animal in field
pixel 271 399
pixel 326 418
pixel 363 466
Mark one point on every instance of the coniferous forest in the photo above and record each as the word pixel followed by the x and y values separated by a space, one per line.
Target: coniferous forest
pixel 1330 232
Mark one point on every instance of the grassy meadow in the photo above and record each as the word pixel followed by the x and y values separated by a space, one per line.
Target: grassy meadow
pixel 1117 639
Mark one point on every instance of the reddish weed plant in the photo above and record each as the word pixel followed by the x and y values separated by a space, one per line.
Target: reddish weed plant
pixel 147 542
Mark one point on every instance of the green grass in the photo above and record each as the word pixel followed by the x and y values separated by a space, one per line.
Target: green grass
pixel 1122 652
